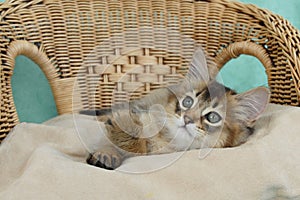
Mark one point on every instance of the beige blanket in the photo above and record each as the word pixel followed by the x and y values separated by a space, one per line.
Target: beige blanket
pixel 48 162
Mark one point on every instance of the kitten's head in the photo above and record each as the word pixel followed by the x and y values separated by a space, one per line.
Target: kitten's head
pixel 210 112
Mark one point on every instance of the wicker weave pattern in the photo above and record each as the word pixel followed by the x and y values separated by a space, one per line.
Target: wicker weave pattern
pixel 115 50
pixel 124 75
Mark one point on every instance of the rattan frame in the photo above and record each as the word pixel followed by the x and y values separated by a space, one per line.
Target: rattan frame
pixel 71 41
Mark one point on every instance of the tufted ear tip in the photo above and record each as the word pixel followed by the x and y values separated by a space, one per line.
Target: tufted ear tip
pixel 252 103
pixel 198 70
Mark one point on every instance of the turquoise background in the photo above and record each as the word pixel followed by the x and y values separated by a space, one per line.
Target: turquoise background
pixel 35 103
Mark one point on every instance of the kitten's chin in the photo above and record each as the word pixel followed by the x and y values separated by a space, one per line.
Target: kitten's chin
pixel 189 137
pixel 177 126
pixel 183 136
pixel 182 130
pixel 192 130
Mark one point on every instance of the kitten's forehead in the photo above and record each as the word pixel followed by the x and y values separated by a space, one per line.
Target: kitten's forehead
pixel 210 92
pixel 186 88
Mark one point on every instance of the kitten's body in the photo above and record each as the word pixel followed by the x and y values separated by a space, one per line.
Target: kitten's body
pixel 195 113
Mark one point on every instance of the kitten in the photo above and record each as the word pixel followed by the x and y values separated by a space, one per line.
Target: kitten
pixel 195 113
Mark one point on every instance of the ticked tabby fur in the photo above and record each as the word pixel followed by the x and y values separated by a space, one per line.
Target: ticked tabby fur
pixel 196 113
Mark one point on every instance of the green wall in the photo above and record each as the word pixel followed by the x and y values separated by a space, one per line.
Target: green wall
pixel 35 103
pixel 31 91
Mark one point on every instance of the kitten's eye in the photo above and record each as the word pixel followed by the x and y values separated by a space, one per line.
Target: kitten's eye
pixel 187 102
pixel 213 117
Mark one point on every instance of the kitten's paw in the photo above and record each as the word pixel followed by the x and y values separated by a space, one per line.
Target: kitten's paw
pixel 105 160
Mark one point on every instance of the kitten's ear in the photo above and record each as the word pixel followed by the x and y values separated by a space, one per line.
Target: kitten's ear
pixel 198 70
pixel 252 103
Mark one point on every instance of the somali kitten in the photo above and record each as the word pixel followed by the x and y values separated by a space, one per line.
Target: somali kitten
pixel 195 113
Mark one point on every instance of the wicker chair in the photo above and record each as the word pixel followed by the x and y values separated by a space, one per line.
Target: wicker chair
pixel 95 53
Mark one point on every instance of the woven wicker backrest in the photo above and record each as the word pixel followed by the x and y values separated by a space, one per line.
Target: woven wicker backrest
pixel 98 52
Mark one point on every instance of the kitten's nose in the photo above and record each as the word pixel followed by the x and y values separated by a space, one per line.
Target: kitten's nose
pixel 187 120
